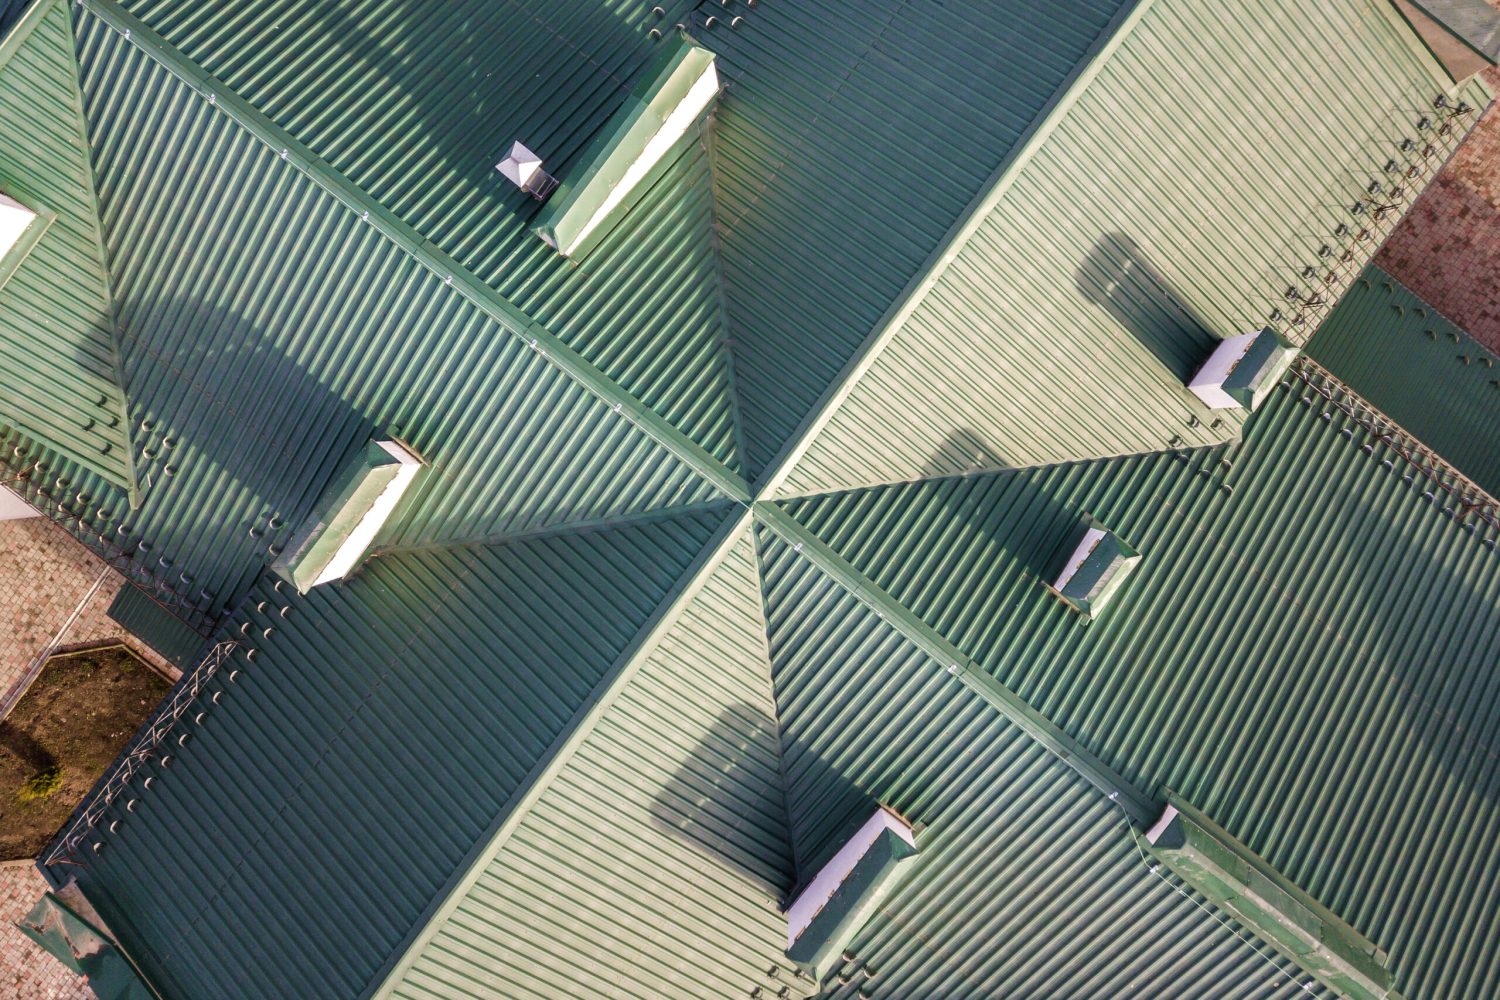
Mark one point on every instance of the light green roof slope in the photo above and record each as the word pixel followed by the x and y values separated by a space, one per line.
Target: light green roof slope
pixel 653 862
pixel 1169 203
pixel 59 377
pixel 1420 370
pixel 348 769
pixel 415 103
pixel 1308 658
pixel 1027 883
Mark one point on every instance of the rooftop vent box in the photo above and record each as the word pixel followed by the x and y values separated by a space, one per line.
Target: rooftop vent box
pixel 523 168
pixel 1098 563
pixel 826 915
pixel 21 229
pixel 1242 371
pixel 336 538
pixel 674 91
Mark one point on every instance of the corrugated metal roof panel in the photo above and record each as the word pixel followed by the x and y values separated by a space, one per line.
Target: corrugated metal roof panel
pixel 1419 369
pixel 352 764
pixel 58 357
pixel 853 134
pixel 1307 659
pixel 1067 324
pixel 157 627
pixel 653 863
pixel 1027 882
pixel 270 332
pixel 416 103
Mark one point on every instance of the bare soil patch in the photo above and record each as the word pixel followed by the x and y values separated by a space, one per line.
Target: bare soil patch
pixel 70 725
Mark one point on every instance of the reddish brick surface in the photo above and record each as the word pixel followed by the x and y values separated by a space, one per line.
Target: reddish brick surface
pixel 27 972
pixel 1448 249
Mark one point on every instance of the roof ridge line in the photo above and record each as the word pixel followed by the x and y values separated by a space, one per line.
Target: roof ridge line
pixel 955 239
pixel 13 40
pixel 1141 807
pixel 559 753
pixel 467 284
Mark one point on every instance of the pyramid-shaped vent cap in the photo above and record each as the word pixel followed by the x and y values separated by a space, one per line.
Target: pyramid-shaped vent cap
pixel 1242 371
pixel 523 168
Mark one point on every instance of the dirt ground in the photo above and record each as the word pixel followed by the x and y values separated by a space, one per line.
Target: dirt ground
pixel 77 716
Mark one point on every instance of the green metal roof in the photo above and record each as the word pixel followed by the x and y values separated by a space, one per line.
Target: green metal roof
pixel 60 385
pixel 1420 369
pixel 599 704
pixel 141 616
pixel 1066 317
pixel 1306 658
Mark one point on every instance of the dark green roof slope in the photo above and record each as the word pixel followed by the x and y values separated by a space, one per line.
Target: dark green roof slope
pixel 349 767
pixel 1308 658
pixel 1077 302
pixel 270 331
pixel 1420 370
pixel 1028 883
pixel 415 103
pixel 59 380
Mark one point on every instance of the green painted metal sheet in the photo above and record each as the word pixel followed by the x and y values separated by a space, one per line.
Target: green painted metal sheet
pixel 271 332
pixel 1028 883
pixel 1305 655
pixel 59 375
pixel 416 103
pixel 349 767
pixel 1420 369
pixel 84 950
pixel 1475 22
pixel 156 626
pixel 851 137
pixel 1067 322
pixel 653 862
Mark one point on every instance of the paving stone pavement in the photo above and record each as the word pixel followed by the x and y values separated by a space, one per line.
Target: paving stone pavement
pixel 44 574
pixel 1447 250
pixel 27 972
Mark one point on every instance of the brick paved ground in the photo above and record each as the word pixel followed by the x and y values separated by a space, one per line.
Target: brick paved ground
pixel 27 972
pixel 1448 249
pixel 44 574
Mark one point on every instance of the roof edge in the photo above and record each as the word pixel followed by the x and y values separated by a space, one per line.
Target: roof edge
pixel 955 239
pixel 383 984
pixel 424 251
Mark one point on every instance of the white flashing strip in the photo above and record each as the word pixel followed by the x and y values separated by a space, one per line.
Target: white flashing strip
pixel 1160 826
pixel 1090 541
pixel 811 900
pixel 697 99
pixel 362 537
pixel 14 218
pixel 1208 384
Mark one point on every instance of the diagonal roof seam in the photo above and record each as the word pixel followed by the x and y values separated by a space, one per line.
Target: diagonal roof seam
pixel 1140 806
pixel 423 251
pixel 953 241
pixel 1322 289
pixel 556 757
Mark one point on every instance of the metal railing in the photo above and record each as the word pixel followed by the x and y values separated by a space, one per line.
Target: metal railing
pixel 65 849
pixel 1469 496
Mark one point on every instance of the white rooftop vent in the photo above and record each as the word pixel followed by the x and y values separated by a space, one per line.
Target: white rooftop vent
pixel 523 168
pixel 14 218
pixel 1242 371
